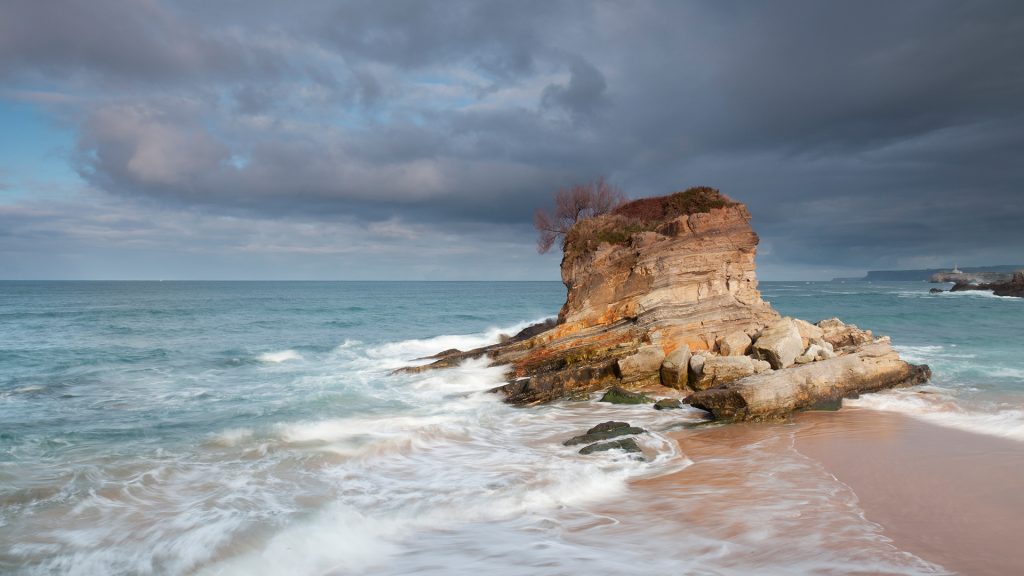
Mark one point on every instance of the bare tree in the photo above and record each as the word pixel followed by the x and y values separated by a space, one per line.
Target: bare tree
pixel 573 204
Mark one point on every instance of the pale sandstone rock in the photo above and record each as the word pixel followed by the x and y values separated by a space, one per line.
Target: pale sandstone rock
pixel 809 333
pixel 761 366
pixel 719 370
pixel 697 366
pixel 676 368
pixel 779 344
pixel 734 344
pixel 842 335
pixel 868 368
pixel 646 360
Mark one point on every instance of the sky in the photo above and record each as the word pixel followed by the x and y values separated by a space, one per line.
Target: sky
pixel 326 140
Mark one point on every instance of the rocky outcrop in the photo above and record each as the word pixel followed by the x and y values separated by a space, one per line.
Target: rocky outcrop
pixel 971 277
pixel 764 396
pixel 1014 286
pixel 655 288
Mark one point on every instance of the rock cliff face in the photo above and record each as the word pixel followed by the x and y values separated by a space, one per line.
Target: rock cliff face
pixel 650 283
pixel 688 281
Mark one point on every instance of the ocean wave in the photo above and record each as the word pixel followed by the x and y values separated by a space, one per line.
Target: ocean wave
pixel 407 350
pixel 942 409
pixel 278 357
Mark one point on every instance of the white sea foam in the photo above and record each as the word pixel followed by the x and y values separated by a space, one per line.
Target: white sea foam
pixel 943 410
pixel 232 436
pixel 278 357
pixel 450 477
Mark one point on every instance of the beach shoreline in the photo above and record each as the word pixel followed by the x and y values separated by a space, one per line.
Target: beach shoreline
pixel 949 496
pixel 947 499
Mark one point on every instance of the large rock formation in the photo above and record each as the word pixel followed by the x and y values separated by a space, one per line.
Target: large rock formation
pixel 657 276
pixel 871 367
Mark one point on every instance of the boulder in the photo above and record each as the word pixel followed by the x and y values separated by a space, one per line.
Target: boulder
pixel 697 366
pixel 668 404
pixel 935 291
pixel 604 431
pixel 808 332
pixel 719 370
pixel 819 352
pixel 734 344
pixel 645 361
pixel 779 344
pixel 616 395
pixel 761 366
pixel 842 335
pixel 804 359
pixel 676 367
pixel 870 368
pixel 626 444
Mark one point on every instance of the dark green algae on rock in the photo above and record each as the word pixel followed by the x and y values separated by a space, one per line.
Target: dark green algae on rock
pixel 627 444
pixel 605 431
pixel 616 395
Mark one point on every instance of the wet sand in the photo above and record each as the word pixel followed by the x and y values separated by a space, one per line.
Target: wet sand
pixel 950 498
pixel 954 498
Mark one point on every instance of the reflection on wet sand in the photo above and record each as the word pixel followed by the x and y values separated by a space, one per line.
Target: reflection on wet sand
pixel 951 497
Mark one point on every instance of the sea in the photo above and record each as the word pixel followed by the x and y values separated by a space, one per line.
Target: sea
pixel 258 428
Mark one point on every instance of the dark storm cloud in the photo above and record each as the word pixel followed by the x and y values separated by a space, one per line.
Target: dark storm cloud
pixel 864 134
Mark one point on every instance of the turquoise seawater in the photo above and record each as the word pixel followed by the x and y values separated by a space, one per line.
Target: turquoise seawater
pixel 256 428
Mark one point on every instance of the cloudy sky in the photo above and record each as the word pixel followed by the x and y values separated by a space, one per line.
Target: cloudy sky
pixel 257 139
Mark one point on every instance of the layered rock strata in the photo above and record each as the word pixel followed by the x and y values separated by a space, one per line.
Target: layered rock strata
pixel 664 291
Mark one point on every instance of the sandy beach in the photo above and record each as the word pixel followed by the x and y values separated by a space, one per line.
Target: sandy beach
pixel 953 498
pixel 852 485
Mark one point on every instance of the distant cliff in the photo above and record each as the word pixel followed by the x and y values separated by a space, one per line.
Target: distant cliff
pixel 927 274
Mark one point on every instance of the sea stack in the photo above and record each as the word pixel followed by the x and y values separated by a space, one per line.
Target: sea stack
pixel 659 279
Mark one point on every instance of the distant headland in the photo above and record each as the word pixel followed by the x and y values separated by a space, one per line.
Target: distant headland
pixel 926 275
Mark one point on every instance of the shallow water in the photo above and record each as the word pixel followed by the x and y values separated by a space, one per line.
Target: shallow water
pixel 255 428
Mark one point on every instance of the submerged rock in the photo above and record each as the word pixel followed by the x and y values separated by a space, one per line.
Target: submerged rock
pixel 935 291
pixel 605 431
pixel 616 395
pixel 668 404
pixel 626 444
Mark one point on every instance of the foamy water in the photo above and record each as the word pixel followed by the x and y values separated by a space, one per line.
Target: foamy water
pixel 258 429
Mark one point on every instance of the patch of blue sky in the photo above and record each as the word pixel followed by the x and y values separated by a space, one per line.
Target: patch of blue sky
pixel 34 153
